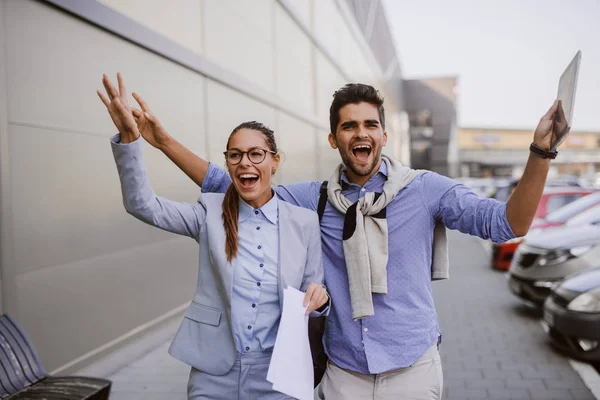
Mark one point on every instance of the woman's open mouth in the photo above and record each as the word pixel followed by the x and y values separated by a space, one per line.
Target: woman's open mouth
pixel 248 180
pixel 361 152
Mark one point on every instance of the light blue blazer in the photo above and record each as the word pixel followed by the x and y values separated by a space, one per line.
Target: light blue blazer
pixel 205 338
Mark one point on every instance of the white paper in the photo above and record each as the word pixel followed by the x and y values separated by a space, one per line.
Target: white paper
pixel 291 367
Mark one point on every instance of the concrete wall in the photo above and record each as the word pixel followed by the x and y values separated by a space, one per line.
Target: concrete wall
pixel 79 274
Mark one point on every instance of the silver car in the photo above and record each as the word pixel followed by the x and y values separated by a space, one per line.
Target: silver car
pixel 549 256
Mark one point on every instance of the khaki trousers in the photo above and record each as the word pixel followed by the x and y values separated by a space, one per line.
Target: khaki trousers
pixel 423 380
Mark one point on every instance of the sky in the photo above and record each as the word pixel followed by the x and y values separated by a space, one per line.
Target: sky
pixel 508 55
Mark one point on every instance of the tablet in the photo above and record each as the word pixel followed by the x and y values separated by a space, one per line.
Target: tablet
pixel 567 86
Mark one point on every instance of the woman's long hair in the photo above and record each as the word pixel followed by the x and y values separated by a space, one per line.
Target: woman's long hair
pixel 231 205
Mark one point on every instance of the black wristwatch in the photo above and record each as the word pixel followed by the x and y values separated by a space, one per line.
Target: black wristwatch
pixel 538 151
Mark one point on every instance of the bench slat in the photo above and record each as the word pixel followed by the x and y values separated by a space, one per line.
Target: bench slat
pixel 30 366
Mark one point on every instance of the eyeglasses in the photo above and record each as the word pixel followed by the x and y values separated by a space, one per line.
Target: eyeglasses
pixel 256 155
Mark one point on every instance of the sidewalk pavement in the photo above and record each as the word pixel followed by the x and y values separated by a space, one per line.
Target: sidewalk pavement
pixel 493 346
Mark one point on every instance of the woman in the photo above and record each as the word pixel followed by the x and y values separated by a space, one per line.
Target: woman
pixel 229 329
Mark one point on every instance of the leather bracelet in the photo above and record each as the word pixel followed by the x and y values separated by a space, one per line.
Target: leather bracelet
pixel 538 151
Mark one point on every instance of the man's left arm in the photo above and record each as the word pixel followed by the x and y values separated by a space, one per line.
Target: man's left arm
pixel 523 203
pixel 461 209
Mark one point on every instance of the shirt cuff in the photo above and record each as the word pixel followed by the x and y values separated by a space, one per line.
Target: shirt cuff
pixel 116 139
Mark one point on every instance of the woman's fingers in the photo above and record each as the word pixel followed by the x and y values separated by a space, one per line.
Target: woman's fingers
pixel 309 293
pixel 315 297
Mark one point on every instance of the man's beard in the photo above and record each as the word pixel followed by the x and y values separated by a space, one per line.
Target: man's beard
pixel 361 171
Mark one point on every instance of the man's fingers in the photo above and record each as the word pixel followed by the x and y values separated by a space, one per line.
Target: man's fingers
pixel 110 89
pixel 103 98
pixel 561 113
pixel 136 113
pixel 141 102
pixel 122 90
pixel 551 111
pixel 150 117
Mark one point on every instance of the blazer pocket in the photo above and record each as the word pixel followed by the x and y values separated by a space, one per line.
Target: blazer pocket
pixel 203 314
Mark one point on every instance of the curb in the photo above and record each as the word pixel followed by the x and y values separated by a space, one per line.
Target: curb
pixel 588 374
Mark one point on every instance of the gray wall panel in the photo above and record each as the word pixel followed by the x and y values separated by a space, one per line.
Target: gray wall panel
pixel 67 202
pixel 6 261
pixel 72 309
pixel 55 65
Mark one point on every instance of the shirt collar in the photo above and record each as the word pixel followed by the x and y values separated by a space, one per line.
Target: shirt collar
pixel 269 210
pixel 383 170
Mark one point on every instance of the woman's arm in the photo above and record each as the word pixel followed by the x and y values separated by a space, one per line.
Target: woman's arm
pixel 140 200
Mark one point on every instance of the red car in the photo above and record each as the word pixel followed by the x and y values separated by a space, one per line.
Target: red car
pixel 552 199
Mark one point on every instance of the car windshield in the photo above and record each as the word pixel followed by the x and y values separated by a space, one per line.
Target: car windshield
pixel 570 210
pixel 590 216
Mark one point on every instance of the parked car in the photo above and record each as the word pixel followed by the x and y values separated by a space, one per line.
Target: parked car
pixel 552 199
pixel 572 315
pixel 550 256
pixel 563 214
pixel 564 180
pixel 503 189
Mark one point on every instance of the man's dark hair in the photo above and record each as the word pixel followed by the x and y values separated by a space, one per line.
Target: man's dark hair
pixel 354 93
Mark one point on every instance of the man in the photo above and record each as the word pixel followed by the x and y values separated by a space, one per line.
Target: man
pixel 383 343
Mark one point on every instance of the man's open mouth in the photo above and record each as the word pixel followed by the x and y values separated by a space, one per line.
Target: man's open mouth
pixel 248 180
pixel 361 151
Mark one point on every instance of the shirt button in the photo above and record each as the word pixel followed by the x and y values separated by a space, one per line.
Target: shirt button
pixel 247 348
pixel 262 265
pixel 363 189
pixel 258 228
pixel 249 326
pixel 259 247
pixel 257 283
pixel 253 305
pixel 255 211
pixel 366 329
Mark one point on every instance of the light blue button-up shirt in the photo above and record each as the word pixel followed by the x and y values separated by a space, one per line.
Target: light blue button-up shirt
pixel 255 309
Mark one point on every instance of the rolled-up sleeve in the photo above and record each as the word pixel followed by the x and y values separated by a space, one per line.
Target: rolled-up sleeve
pixel 460 208
pixel 217 180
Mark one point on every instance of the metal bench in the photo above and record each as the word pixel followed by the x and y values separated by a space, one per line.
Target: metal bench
pixel 23 377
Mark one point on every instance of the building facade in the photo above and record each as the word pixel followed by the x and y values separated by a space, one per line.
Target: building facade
pixel 486 152
pixel 431 104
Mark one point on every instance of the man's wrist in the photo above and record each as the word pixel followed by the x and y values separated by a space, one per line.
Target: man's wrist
pixel 166 144
pixel 542 152
pixel 542 146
